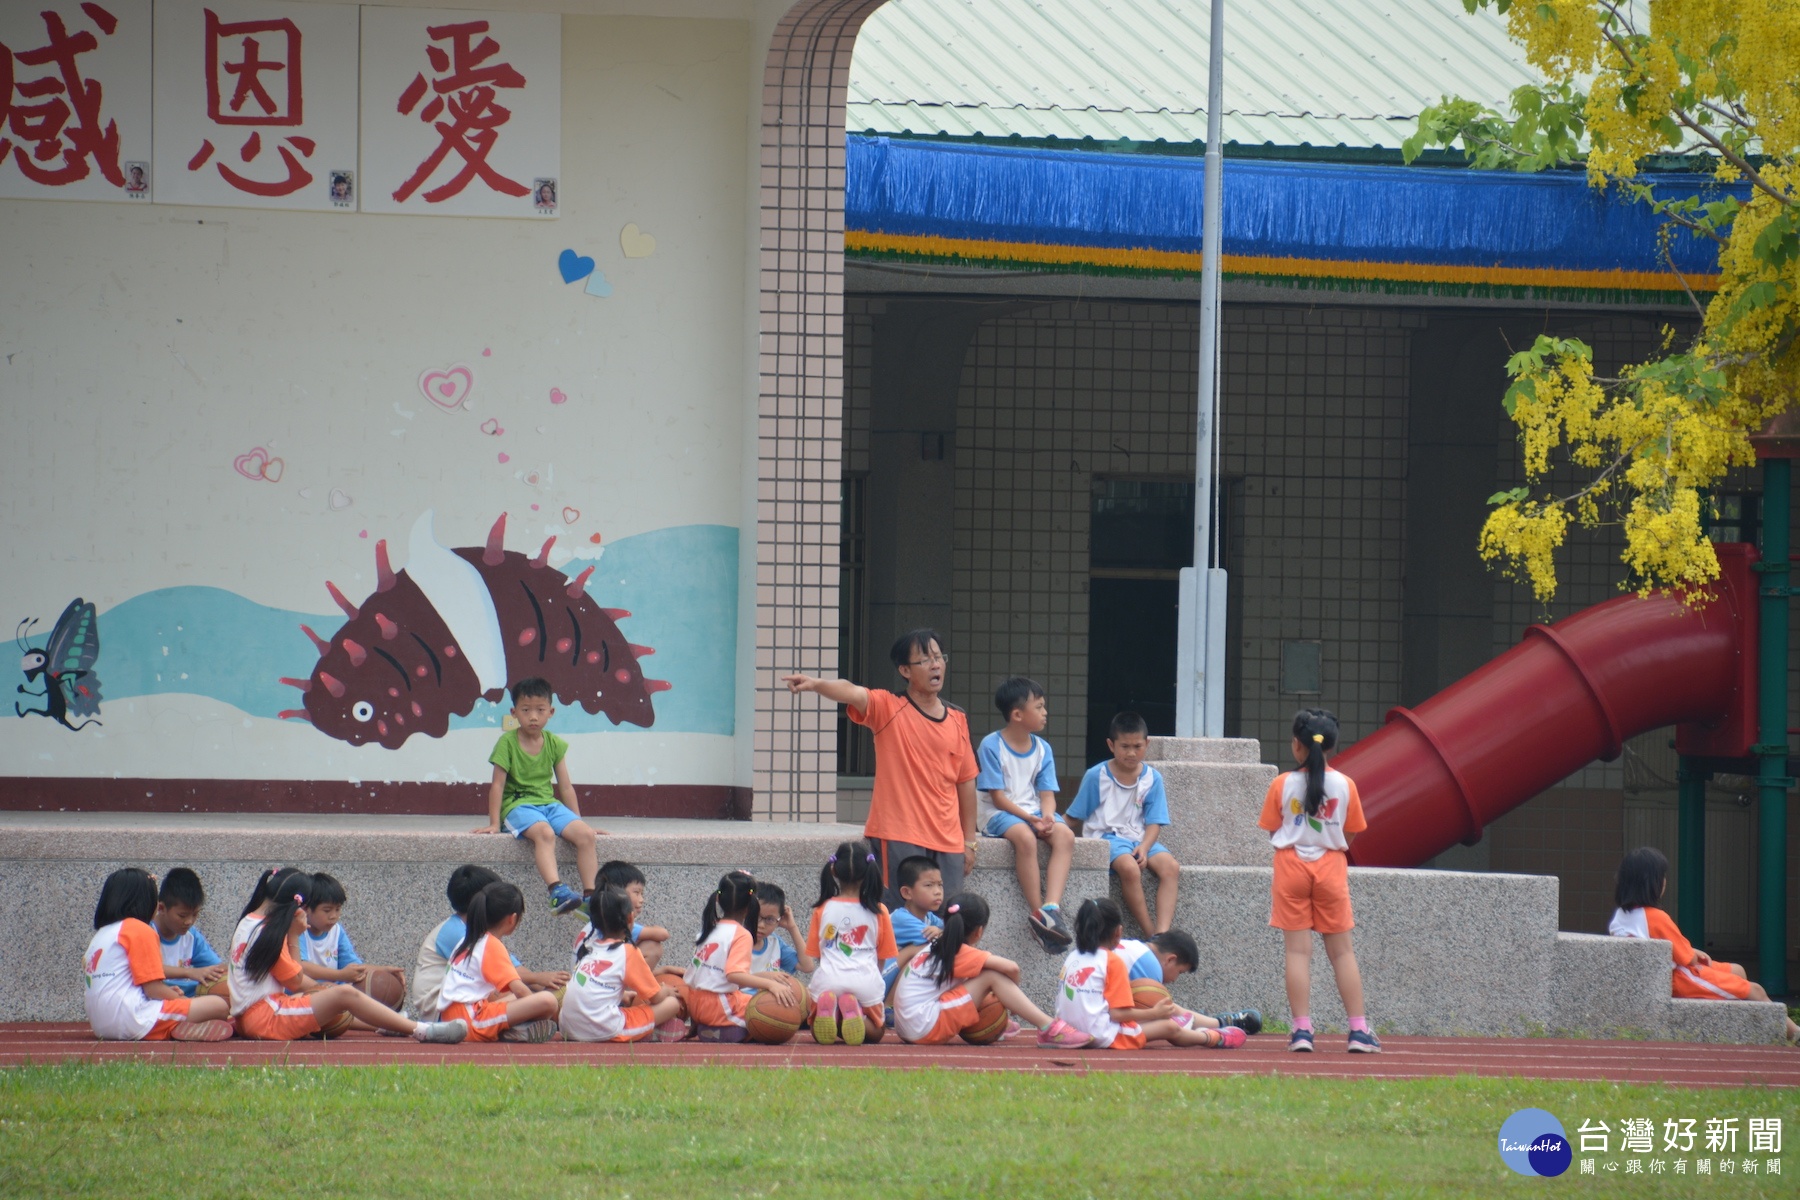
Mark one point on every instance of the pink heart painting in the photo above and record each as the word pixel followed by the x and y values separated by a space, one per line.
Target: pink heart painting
pixel 558 396
pixel 571 515
pixel 448 388
pixel 491 427
pixel 258 463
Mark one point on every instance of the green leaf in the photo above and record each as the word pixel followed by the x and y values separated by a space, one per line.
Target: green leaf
pixel 1510 496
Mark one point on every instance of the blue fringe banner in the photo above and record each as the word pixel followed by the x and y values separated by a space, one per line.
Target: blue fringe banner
pixel 1430 229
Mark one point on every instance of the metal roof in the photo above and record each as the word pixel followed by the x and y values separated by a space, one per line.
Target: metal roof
pixel 1323 73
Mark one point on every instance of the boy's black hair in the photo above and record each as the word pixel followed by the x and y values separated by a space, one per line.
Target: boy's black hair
pixel 465 881
pixel 491 905
pixel 1182 945
pixel 916 641
pixel 327 890
pixel 734 899
pixel 910 868
pixel 534 687
pixel 181 886
pixel 289 890
pixel 1095 923
pixel 1015 693
pixel 1642 874
pixel 128 892
pixel 770 893
pixel 620 874
pixel 1316 729
pixel 1127 722
pixel 852 863
pixel 963 915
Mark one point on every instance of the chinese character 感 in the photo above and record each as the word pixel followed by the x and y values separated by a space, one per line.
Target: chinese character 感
pixel 1637 1135
pixel 237 94
pixel 1594 1136
pixel 465 92
pixel 58 96
pixel 1679 1135
pixel 1721 1133
pixel 1765 1135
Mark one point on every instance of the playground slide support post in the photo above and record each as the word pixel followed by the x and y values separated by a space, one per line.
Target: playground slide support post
pixel 1773 781
pixel 1690 869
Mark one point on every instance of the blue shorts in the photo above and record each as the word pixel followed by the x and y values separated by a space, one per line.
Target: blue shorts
pixel 1119 846
pixel 1000 822
pixel 523 816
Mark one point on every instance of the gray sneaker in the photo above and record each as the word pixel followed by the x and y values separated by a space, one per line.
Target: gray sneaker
pixel 531 1031
pixel 440 1031
pixel 1054 918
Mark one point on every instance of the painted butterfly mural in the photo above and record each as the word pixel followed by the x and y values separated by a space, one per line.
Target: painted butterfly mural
pixel 457 626
pixel 66 665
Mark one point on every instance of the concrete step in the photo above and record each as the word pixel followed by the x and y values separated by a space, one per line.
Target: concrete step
pixel 1212 813
pixel 1207 750
pixel 1611 986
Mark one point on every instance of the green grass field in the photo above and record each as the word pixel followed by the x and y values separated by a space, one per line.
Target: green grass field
pixel 130 1130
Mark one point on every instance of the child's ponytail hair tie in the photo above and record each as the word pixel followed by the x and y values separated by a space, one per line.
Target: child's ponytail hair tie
pixel 832 858
pixel 299 899
pixel 1318 739
pixel 869 858
pixel 953 909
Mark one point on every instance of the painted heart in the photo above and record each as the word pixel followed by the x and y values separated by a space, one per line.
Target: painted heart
pixel 340 500
pixel 272 470
pixel 257 463
pixel 505 457
pixel 635 242
pixel 491 427
pixel 571 515
pixel 558 396
pixel 598 285
pixel 449 388
pixel 306 493
pixel 574 266
pixel 594 538
pixel 532 479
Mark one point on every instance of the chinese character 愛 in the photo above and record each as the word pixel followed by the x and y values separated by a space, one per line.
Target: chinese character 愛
pixel 464 92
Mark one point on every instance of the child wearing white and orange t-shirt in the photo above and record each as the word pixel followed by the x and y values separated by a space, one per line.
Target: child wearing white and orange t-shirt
pixel 852 939
pixel 1094 994
pixel 481 985
pixel 613 997
pixel 713 986
pixel 271 996
pixel 127 996
pixel 941 991
pixel 1311 815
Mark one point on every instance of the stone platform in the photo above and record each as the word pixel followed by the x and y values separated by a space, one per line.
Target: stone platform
pixel 1442 952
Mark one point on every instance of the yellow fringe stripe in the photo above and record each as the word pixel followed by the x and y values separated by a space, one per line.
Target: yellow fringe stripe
pixel 1188 262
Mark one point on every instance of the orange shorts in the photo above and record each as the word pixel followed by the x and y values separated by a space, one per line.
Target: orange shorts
pixel 1714 982
pixel 640 1022
pixel 956 1012
pixel 278 1019
pixel 486 1018
pixel 174 1013
pixel 1311 895
pixel 1130 1037
pixel 712 1008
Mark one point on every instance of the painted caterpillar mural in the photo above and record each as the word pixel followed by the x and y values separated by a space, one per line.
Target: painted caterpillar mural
pixel 459 625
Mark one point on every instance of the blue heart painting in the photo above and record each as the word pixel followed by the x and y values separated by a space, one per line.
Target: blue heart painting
pixel 598 285
pixel 574 266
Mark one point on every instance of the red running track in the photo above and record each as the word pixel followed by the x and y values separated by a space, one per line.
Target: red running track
pixel 1682 1064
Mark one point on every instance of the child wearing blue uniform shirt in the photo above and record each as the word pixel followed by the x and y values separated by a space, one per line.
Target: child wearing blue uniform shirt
pixel 326 952
pixel 1167 957
pixel 1016 800
pixel 649 939
pixel 916 921
pixel 440 944
pixel 770 951
pixel 189 961
pixel 1123 803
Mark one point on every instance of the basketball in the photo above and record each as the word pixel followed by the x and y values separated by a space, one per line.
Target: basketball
pixel 771 1022
pixel 1148 993
pixel 990 1023
pixel 335 1026
pixel 389 987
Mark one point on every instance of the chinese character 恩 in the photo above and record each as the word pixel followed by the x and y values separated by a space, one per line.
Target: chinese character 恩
pixel 239 54
pixel 60 151
pixel 464 93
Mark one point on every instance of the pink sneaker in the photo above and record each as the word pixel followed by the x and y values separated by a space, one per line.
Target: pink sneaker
pixel 1062 1036
pixel 825 1018
pixel 202 1031
pixel 1013 1028
pixel 675 1029
pixel 1231 1037
pixel 850 1019
pixel 1183 1019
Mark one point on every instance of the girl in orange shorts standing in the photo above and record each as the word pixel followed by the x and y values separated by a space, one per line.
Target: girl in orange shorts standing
pixel 271 997
pixel 1643 878
pixel 1311 815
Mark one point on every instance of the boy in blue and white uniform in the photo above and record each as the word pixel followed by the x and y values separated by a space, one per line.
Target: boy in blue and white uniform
pixel 189 961
pixel 1016 800
pixel 1167 957
pixel 1122 802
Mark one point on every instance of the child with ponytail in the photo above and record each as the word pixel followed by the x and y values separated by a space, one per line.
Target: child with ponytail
pixel 612 996
pixel 1311 815
pixel 941 991
pixel 481 985
pixel 852 939
pixel 713 988
pixel 1095 997
pixel 128 996
pixel 271 997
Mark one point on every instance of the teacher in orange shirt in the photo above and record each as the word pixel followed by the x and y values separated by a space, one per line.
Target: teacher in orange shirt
pixel 924 800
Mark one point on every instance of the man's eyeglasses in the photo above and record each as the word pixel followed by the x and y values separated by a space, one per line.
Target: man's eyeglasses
pixel 932 660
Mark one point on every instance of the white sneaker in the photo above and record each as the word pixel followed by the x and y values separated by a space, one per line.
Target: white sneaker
pixel 441 1031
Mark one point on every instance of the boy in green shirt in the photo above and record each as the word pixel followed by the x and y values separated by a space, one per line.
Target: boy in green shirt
pixel 531 773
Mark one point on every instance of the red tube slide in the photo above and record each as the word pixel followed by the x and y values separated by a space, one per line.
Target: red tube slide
pixel 1567 694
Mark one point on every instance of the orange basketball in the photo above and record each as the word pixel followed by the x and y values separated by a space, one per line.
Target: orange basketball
pixel 1148 993
pixel 389 987
pixel 771 1022
pixel 990 1023
pixel 337 1025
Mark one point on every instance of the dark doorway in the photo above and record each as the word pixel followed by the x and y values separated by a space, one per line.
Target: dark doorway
pixel 1142 535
